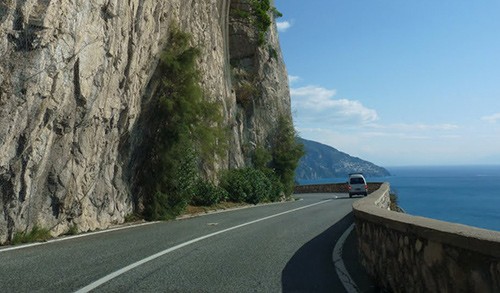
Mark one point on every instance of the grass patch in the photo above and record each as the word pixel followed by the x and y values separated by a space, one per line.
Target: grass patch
pixel 36 234
pixel 73 230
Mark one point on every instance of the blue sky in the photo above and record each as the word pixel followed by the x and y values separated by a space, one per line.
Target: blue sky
pixel 396 82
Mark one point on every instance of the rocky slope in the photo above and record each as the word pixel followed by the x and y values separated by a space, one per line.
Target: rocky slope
pixel 73 82
pixel 323 161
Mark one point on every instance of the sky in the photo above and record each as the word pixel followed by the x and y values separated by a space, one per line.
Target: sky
pixel 396 82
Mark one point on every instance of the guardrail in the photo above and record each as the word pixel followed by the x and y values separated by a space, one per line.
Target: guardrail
pixel 405 253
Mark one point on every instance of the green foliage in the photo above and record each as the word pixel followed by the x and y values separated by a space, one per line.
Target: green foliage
pixel 261 158
pixel 36 234
pixel 185 132
pixel 286 152
pixel 241 13
pixel 207 194
pixel 248 185
pixel 73 230
pixel 260 17
pixel 277 188
pixel 276 13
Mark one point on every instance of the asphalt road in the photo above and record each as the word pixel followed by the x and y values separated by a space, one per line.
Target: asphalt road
pixel 284 247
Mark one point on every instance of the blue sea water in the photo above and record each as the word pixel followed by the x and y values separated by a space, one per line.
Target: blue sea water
pixel 468 195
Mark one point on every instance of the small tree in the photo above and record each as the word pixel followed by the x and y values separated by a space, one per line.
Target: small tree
pixel 286 152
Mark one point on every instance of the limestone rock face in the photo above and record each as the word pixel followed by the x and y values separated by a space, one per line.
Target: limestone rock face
pixel 73 76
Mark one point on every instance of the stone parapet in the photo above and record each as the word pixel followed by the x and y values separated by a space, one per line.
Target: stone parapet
pixel 405 253
pixel 331 188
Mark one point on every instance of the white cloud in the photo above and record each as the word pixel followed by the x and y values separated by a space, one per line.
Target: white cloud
pixel 293 78
pixel 418 127
pixel 283 26
pixel 318 105
pixel 491 118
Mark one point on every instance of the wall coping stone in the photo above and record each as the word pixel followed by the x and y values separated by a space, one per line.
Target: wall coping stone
pixel 484 241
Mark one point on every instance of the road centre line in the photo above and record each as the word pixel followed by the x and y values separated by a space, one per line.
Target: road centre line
pixel 119 272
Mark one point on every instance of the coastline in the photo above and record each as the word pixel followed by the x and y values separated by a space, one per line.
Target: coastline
pixel 464 194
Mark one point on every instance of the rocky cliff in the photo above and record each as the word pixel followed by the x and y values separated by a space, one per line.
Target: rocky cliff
pixel 73 82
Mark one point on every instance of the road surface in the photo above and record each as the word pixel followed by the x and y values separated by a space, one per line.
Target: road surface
pixel 285 247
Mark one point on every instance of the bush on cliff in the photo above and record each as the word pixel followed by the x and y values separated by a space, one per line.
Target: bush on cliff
pixel 259 16
pixel 185 131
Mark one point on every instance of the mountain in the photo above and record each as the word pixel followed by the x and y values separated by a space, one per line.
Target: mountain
pixel 323 161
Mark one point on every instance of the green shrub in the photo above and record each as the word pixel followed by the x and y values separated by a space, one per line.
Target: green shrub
pixel 259 17
pixel 277 188
pixel 73 230
pixel 36 234
pixel 208 194
pixel 237 187
pixel 248 185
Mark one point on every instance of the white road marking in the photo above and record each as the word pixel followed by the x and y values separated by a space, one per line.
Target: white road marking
pixel 117 273
pixel 345 278
pixel 73 237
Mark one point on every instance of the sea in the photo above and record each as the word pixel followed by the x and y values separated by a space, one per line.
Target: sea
pixel 467 195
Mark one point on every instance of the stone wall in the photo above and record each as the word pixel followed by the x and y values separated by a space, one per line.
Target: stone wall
pixel 405 253
pixel 331 188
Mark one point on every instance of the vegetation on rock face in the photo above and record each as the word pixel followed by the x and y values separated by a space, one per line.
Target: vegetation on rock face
pixel 272 175
pixel 186 131
pixel 286 152
pixel 262 19
pixel 36 234
pixel 259 16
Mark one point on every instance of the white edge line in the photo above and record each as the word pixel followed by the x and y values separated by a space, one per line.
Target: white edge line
pixel 63 238
pixel 345 278
pixel 74 237
pixel 161 253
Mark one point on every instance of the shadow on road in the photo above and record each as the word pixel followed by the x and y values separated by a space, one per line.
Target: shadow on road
pixel 311 268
